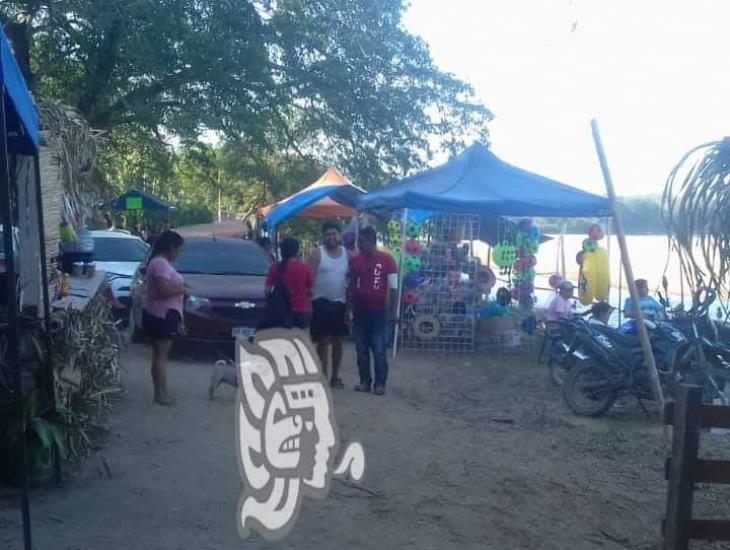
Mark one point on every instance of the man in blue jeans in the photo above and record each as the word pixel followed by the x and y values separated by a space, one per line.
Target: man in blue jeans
pixel 372 282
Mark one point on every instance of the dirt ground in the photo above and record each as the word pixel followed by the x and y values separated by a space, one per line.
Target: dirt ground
pixel 473 452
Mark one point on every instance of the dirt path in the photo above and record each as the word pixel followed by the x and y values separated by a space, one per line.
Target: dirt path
pixel 461 453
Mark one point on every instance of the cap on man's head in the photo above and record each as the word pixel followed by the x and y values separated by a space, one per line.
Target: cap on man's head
pixel 641 282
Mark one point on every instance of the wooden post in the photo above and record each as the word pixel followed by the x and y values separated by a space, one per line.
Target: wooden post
pixel 684 456
pixel 643 334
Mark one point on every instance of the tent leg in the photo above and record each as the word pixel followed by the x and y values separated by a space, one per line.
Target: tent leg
pixel 6 211
pixel 400 286
pixel 641 325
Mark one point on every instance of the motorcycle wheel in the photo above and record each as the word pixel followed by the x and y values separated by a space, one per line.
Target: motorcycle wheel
pixel 585 393
pixel 558 371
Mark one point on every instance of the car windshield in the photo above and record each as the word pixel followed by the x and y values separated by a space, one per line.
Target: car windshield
pixel 110 249
pixel 222 258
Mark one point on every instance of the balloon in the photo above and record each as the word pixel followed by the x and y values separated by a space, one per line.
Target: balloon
pixel 531 245
pixel 413 247
pixel 520 264
pixel 412 264
pixel 534 233
pixel 518 277
pixel 579 258
pixel 555 280
pixel 395 253
pixel 504 255
pixel 528 274
pixel 515 293
pixel 410 297
pixel 395 228
pixel 521 238
pixel 595 232
pixel 413 230
pixel 412 280
pixel 530 261
pixel 395 239
pixel 589 245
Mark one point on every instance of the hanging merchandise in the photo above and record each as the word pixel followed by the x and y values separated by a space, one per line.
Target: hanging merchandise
pixel 555 280
pixel 412 247
pixel 594 280
pixel 396 239
pixel 394 228
pixel 412 264
pixel 412 280
pixel 413 230
pixel 411 297
pixel 504 255
pixel 426 327
pixel 395 253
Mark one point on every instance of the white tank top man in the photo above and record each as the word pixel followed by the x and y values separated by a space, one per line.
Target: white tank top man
pixel 329 263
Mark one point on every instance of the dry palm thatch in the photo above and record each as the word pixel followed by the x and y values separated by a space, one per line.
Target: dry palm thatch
pixel 696 211
pixel 86 346
pixel 75 146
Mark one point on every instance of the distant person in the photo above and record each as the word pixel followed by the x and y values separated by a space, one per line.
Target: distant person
pixel 162 316
pixel 652 310
pixel 296 278
pixel 561 306
pixel 372 282
pixel 329 263
pixel 600 313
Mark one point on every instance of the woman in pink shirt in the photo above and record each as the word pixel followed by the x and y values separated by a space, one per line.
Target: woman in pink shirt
pixel 561 307
pixel 163 308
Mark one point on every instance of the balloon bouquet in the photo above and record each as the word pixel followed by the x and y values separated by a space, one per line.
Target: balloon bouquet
pixel 519 259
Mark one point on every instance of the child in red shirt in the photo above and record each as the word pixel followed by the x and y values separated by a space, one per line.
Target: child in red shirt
pixel 369 290
pixel 296 278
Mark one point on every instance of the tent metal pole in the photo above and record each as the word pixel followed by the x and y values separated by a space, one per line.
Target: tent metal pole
pixel 400 284
pixel 6 211
pixel 641 325
pixel 50 380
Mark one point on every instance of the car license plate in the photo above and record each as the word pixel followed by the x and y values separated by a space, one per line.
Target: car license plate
pixel 245 332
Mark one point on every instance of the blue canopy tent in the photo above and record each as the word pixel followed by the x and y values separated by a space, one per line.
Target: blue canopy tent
pixel 19 138
pixel 478 182
pixel 134 199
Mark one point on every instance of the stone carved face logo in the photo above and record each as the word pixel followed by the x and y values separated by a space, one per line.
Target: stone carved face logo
pixel 287 436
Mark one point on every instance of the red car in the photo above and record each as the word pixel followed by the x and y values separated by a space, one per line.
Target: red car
pixel 226 278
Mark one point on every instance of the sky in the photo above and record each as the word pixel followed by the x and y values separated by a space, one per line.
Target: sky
pixel 654 73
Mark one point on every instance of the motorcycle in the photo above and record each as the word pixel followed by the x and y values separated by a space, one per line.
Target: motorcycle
pixel 561 353
pixel 615 366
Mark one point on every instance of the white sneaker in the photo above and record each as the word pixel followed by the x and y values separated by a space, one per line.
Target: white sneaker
pixel 216 377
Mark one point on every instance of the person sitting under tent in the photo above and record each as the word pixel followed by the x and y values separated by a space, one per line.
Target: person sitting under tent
pixel 652 310
pixel 561 306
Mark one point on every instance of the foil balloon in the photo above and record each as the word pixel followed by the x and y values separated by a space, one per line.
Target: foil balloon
pixel 555 280
pixel 413 247
pixel 595 232
pixel 413 230
pixel 412 264
pixel 394 228
pixel 589 245
pixel 412 280
pixel 410 297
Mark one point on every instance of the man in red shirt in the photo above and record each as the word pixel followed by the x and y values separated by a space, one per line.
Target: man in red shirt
pixel 373 278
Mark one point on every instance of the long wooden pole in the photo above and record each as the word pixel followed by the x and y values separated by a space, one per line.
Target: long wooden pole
pixel 618 225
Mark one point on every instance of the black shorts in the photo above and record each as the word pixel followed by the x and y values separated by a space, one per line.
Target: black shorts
pixel 157 328
pixel 328 319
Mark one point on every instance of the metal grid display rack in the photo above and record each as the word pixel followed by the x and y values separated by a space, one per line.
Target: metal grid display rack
pixel 438 300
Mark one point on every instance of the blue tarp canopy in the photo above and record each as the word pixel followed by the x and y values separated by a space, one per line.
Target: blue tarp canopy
pixel 477 182
pixel 135 199
pixel 21 117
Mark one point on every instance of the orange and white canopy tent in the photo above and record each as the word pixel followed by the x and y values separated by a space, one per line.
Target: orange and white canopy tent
pixel 331 196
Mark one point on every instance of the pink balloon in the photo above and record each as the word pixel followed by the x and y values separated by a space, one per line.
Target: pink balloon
pixel 410 297
pixel 413 247
pixel 555 280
